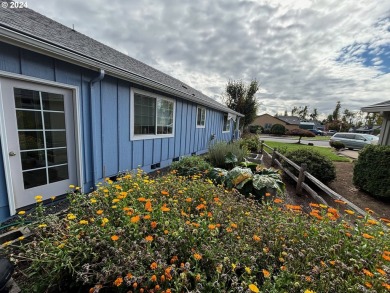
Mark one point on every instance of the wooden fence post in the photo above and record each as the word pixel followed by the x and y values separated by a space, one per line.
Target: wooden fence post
pixel 273 157
pixel 261 146
pixel 301 178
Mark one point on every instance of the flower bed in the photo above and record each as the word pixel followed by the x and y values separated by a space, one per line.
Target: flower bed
pixel 174 234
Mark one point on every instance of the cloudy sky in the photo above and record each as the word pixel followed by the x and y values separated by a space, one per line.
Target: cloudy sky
pixel 302 52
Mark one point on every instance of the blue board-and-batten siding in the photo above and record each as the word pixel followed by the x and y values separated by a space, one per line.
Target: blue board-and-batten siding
pixel 109 150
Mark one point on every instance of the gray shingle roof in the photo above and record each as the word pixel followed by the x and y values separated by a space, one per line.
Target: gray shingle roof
pixel 379 107
pixel 290 119
pixel 37 26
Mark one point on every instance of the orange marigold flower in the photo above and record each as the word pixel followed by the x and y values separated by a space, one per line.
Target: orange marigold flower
pixel 166 232
pixel 387 286
pixel 188 199
pixel 114 237
pixel 164 208
pixel 278 200
pixel 162 278
pixel 348 234
pixel 368 236
pixel 308 279
pixel 153 224
pixel 266 273
pixel 164 192
pixel 229 230
pixel 129 276
pixel 267 194
pixel 135 219
pixel 316 215
pixel 167 273
pixel 233 225
pixel 283 268
pixel 382 272
pixel 256 238
pixel 333 211
pixel 153 266
pixel 385 220
pixel 368 273
pixel 146 217
pixel 157 288
pixel 200 207
pixel 368 285
pixel 148 206
pixel 141 199
pixel 135 285
pixel 197 256
pixel 118 281
pixel 197 277
pixel 149 238
pixel 340 201
pixel 212 227
pixel 332 262
pixel 153 278
pixel 386 256
pixel 314 205
pixel 293 207
pixel 99 212
pixel 174 259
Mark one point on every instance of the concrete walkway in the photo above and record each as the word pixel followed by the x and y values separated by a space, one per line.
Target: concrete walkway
pixel 349 153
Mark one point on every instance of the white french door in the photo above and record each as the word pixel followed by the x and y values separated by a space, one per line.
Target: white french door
pixel 39 139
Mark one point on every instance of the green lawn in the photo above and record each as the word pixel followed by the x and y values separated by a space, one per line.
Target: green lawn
pixel 328 152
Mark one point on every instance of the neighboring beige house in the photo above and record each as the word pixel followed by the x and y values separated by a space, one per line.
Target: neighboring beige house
pixel 266 121
pixel 384 109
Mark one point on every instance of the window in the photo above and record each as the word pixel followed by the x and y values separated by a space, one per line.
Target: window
pixel 201 117
pixel 153 116
pixel 226 123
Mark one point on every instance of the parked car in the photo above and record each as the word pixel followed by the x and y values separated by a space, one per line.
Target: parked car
pixel 316 131
pixel 354 140
pixel 331 132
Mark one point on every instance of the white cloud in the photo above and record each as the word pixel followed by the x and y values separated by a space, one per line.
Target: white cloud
pixel 302 52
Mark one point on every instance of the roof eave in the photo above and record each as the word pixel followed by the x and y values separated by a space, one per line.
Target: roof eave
pixel 376 109
pixel 21 40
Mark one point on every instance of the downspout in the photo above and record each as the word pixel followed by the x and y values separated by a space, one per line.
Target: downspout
pixel 91 126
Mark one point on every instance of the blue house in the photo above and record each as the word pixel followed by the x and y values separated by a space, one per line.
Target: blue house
pixel 74 111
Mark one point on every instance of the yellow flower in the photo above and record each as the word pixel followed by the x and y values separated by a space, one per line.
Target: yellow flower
pixel 349 212
pixel 71 186
pixel 21 238
pixel 197 256
pixel 38 198
pixel 248 270
pixel 52 197
pixel 21 212
pixel 83 222
pixel 42 226
pixel 115 200
pixel 309 291
pixel 254 288
pixel 104 221
pixel 71 216
pixel 93 200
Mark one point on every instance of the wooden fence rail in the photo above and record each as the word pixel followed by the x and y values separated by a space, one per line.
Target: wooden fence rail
pixel 301 185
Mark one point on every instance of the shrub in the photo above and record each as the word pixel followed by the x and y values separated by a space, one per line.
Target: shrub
pixel 338 145
pixel 371 172
pixel 301 133
pixel 189 166
pixel 256 129
pixel 251 143
pixel 278 129
pixel 219 151
pixel 317 164
pixel 191 236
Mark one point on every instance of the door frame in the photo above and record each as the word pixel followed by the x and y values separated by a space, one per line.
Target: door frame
pixel 77 128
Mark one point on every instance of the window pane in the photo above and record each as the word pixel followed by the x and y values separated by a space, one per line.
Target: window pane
pixel 29 119
pixel 57 156
pixel 58 173
pixel 164 116
pixel 55 139
pixel 33 160
pixel 54 120
pixel 27 99
pixel 144 114
pixel 30 140
pixel 53 102
pixel 34 178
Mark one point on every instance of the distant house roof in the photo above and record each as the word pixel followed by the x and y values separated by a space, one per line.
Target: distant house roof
pixel 28 29
pixel 290 119
pixel 379 107
pixel 367 128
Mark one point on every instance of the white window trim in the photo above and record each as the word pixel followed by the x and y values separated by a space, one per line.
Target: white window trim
pixel 205 115
pixel 148 136
pixel 223 124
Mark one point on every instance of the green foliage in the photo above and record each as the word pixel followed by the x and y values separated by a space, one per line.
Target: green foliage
pixel 217 153
pixel 338 145
pixel 251 143
pixel 189 166
pixel 317 165
pixel 301 133
pixel 372 172
pixel 256 129
pixel 255 180
pixel 200 238
pixel 241 98
pixel 278 129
